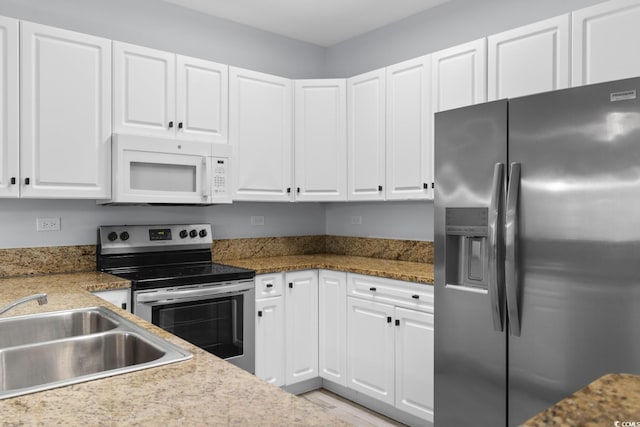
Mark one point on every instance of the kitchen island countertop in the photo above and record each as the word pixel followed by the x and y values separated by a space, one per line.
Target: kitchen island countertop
pixel 610 398
pixel 204 390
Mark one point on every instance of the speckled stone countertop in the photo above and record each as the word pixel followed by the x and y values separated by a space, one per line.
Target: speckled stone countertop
pixel 202 391
pixel 401 270
pixel 611 398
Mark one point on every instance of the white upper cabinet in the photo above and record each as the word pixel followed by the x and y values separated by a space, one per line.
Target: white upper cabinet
pixel 529 59
pixel 409 133
pixel 261 135
pixel 366 135
pixel 168 95
pixel 320 140
pixel 9 139
pixel 459 76
pixel 65 113
pixel 143 90
pixel 605 42
pixel 202 100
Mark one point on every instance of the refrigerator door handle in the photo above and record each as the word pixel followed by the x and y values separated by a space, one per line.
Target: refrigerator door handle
pixel 495 235
pixel 511 256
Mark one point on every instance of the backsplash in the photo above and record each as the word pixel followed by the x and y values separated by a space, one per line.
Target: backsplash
pixel 47 260
pixel 68 259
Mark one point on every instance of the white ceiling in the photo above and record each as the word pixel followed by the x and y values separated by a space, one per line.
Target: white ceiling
pixel 321 22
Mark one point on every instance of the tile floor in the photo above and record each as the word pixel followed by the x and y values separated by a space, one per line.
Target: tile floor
pixel 348 411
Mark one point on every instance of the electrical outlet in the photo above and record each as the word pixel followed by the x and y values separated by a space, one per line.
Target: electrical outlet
pixel 48 224
pixel 356 220
pixel 257 220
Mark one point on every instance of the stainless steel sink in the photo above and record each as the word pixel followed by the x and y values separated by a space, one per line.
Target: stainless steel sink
pixel 50 326
pixel 76 346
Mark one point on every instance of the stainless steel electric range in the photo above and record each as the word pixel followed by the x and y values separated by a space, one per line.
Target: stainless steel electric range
pixel 177 287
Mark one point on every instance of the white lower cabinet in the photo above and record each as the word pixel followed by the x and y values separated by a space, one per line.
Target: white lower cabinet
pixel 369 335
pixel 270 362
pixel 332 333
pixel 370 352
pixel 301 325
pixel 414 362
pixel 118 297
pixel 287 327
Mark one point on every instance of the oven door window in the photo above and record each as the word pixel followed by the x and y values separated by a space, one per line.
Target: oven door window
pixel 214 325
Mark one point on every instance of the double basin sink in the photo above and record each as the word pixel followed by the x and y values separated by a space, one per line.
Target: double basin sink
pixel 44 351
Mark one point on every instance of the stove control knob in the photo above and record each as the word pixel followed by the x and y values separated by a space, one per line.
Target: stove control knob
pixel 112 236
pixel 124 235
pixel 183 234
pixel 193 233
pixel 203 233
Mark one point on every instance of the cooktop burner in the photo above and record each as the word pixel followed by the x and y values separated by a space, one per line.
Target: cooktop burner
pixel 158 256
pixel 159 277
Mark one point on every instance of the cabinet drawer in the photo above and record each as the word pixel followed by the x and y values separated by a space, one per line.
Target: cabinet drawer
pixel 395 292
pixel 269 285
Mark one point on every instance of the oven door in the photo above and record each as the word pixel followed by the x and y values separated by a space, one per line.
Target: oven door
pixel 216 317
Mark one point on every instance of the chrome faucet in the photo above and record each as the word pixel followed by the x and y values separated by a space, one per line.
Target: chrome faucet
pixel 41 298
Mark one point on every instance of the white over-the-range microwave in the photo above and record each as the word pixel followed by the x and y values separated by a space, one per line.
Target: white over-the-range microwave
pixel 152 170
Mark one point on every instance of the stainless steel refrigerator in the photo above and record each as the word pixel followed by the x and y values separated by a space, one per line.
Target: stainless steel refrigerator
pixel 537 250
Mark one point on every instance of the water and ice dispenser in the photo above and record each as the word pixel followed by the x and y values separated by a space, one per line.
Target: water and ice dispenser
pixel 467 247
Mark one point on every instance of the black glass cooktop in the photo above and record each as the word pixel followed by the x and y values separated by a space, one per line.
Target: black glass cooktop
pixel 161 277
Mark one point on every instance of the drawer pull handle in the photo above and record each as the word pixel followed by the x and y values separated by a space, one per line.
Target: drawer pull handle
pixel 269 285
pixel 291 285
pixel 260 313
pixel 372 289
pixel 388 319
pixel 415 296
pixel 397 322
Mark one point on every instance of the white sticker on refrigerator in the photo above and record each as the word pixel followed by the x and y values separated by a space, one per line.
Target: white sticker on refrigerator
pixel 623 96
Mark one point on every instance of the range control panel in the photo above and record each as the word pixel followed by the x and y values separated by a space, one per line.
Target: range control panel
pixel 149 238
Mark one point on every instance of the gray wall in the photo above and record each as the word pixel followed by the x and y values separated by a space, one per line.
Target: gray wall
pixel 80 219
pixel 447 25
pixel 397 220
pixel 164 26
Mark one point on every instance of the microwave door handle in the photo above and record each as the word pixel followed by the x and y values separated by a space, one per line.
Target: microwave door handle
pixel 511 244
pixel 496 276
pixel 205 179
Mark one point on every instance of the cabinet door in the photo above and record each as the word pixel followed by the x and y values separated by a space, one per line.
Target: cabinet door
pixel 261 135
pixel 409 134
pixel 332 292
pixel 414 362
pixel 202 100
pixel 301 330
pixel 320 140
pixel 65 113
pixel 9 142
pixel 270 350
pixel 529 59
pixel 459 76
pixel 366 135
pixel 143 90
pixel 605 42
pixel 370 349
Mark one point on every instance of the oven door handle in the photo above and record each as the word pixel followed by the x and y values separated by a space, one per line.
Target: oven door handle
pixel 193 293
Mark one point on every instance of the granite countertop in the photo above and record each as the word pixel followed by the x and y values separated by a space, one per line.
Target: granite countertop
pixel 202 391
pixel 611 398
pixel 391 269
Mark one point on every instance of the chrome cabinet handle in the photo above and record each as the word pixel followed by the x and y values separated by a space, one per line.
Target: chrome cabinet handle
pixel 511 256
pixel 496 274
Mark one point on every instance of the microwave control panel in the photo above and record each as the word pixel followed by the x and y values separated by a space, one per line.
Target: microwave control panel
pixel 220 177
